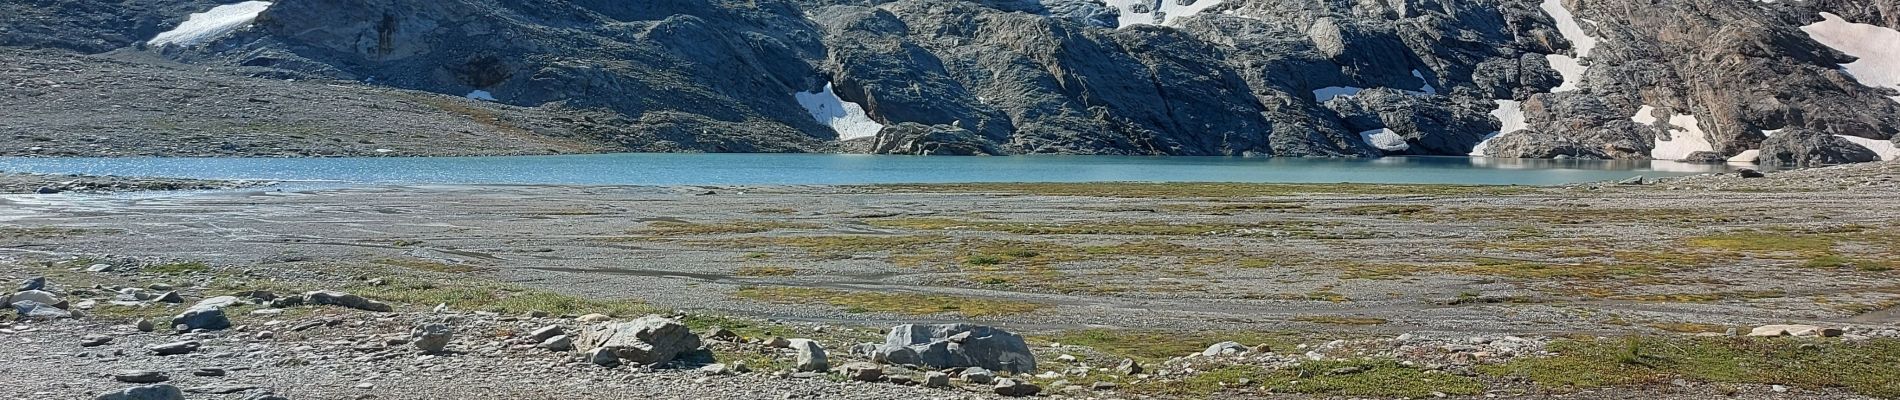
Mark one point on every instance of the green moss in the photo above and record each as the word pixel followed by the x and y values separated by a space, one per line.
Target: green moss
pixel 754 270
pixel 500 298
pixel 1204 190
pixel 1862 366
pixel 1765 242
pixel 1375 378
pixel 1153 346
pixel 178 268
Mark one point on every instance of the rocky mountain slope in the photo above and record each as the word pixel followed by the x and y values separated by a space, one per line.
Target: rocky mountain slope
pixel 1710 80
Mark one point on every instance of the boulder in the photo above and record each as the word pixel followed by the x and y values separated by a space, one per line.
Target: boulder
pixel 40 296
pixel 1224 348
pixel 147 392
pixel 558 343
pixel 546 332
pixel 207 314
pixel 175 348
pixel 1795 330
pixel 1809 148
pixel 811 356
pixel 649 340
pixel 603 357
pixel 29 309
pixel 943 346
pixel 1013 388
pixel 341 299
pixel 1128 366
pixel 863 372
pixel 34 283
pixel 140 376
pixel 978 375
pixel 431 338
pixel 934 379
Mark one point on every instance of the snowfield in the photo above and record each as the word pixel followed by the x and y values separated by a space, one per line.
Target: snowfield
pixel 1877 47
pixel 1511 114
pixel 845 117
pixel 1884 148
pixel 204 26
pixel 1570 67
pixel 1172 10
pixel 1685 135
pixel 1384 139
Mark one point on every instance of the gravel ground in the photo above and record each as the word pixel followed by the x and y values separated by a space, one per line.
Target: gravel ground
pixel 45 183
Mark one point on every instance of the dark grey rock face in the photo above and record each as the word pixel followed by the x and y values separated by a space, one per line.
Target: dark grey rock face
pixel 1243 77
pixel 1808 148
pixel 957 345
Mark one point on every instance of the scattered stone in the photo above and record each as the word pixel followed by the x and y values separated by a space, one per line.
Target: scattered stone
pixel 1634 180
pixel 94 340
pixel 722 334
pixel 432 338
pixel 810 356
pixel 29 309
pixel 650 340
pixel 863 372
pixel 739 366
pixel 603 357
pixel 540 335
pixel 39 296
pixel 1128 366
pixel 1066 358
pixel 171 297
pixel 100 268
pixel 934 379
pixel 1012 388
pixel 208 372
pixel 779 342
pixel 1750 173
pixel 207 314
pixel 145 325
pixel 34 283
pixel 1101 386
pixel 147 392
pixel 978 375
pixel 975 346
pixel 139 376
pixel 558 343
pixel 715 369
pixel 341 299
pixel 175 348
pixel 594 318
pixel 1224 348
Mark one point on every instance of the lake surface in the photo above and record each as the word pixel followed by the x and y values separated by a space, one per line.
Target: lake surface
pixel 799 169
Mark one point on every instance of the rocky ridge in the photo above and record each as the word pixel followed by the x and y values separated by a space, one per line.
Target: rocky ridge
pixel 1506 78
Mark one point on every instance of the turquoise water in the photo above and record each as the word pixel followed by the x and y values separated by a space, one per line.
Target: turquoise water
pixel 799 169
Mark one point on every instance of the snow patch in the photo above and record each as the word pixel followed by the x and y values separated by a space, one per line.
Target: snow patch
pixel 1511 114
pixel 204 26
pixel 481 95
pixel 1884 148
pixel 1685 135
pixel 1172 10
pixel 1877 47
pixel 1384 139
pixel 1330 92
pixel 1569 68
pixel 1567 25
pixel 1745 157
pixel 845 117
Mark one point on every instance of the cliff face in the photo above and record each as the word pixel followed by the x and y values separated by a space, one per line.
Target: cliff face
pixel 1629 79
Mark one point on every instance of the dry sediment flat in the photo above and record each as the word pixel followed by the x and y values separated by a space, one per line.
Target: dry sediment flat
pixel 1693 254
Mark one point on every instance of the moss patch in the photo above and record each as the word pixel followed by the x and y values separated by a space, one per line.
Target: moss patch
pixel 1862 366
pixel 899 303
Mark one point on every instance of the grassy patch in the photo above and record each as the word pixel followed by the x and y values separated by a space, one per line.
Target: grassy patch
pixel 1385 209
pixel 855 244
pixel 1542 271
pixel 1375 378
pixel 1339 320
pixel 499 298
pixel 1862 366
pixel 1764 242
pixel 899 303
pixel 1078 228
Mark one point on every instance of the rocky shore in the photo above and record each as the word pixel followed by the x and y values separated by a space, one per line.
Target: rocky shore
pixel 52 184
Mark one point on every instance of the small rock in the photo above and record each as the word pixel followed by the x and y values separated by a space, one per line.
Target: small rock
pixel 34 283
pixel 1012 388
pixel 40 296
pixel 341 299
pixel 811 356
pixel 722 334
pixel 208 372
pixel 29 309
pixel 1099 386
pixel 740 367
pixel 603 357
pixel 145 325
pixel 715 369
pixel 94 340
pixel 1224 348
pixel 432 338
pixel 1750 173
pixel 594 318
pixel 1065 358
pixel 175 348
pixel 863 372
pixel 978 375
pixel 540 335
pixel 779 342
pixel 207 314
pixel 170 297
pixel 140 376
pixel 100 268
pixel 558 343
pixel 1785 330
pixel 934 379
pixel 1128 366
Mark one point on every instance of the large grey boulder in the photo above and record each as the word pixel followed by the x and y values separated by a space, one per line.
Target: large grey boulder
pixel 36 295
pixel 28 309
pixel 650 340
pixel 1808 148
pixel 810 356
pixel 147 392
pixel 943 346
pixel 207 314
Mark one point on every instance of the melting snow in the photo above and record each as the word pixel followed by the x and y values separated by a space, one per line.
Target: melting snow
pixel 1877 47
pixel 481 95
pixel 1330 92
pixel 1569 68
pixel 845 117
pixel 1884 148
pixel 1384 139
pixel 1568 26
pixel 1685 135
pixel 1172 9
pixel 1427 89
pixel 211 24
pixel 1511 114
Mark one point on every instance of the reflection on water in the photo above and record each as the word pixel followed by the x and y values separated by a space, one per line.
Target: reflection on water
pixel 689 169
